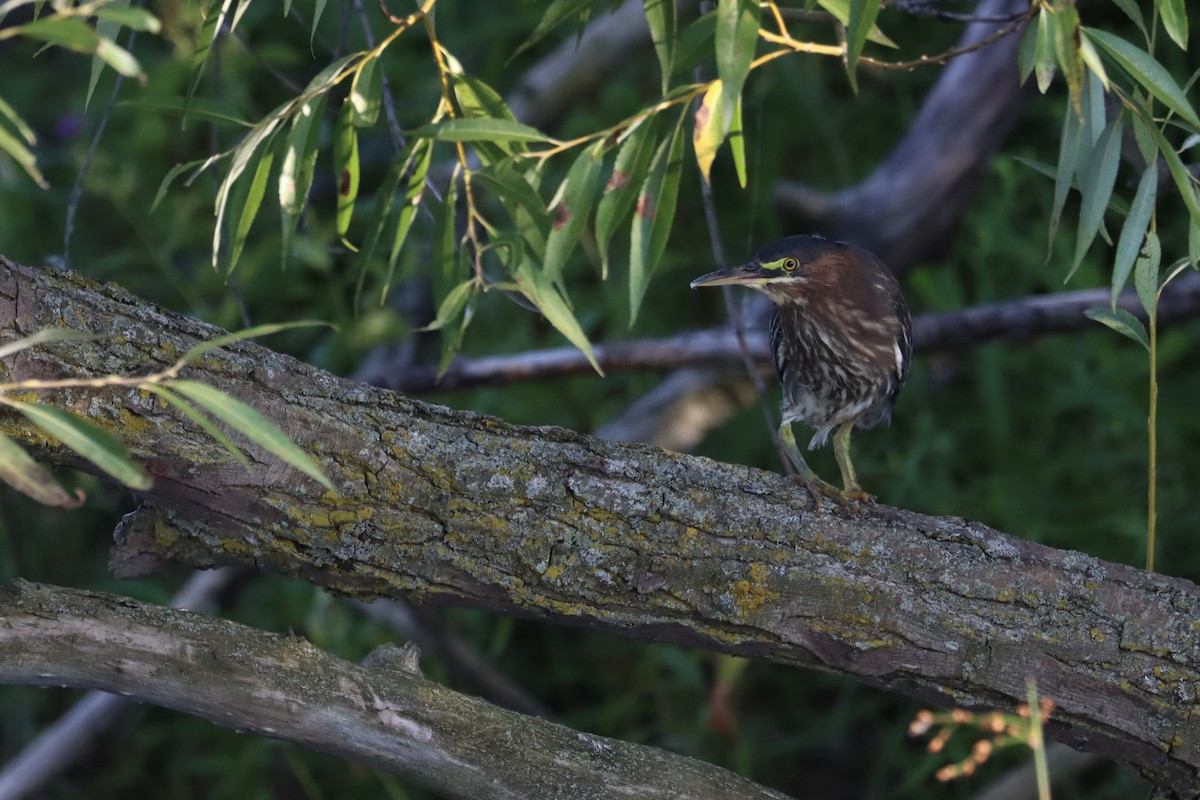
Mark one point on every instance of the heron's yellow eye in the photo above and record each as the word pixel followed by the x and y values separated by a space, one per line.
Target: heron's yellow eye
pixel 790 264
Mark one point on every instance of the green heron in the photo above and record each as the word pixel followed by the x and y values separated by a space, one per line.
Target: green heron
pixel 841 336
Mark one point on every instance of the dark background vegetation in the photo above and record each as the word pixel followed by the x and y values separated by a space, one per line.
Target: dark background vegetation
pixel 1043 439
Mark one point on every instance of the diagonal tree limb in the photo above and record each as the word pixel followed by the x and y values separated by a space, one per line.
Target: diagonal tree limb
pixel 1008 320
pixel 461 508
pixel 382 713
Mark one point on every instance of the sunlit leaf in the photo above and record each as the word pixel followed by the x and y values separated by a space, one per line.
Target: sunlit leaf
pixel 244 212
pixel 1175 21
pixel 736 41
pixel 1122 322
pixel 619 194
pixel 346 167
pixel 118 11
pixel 89 441
pixel 259 136
pixel 452 305
pixel 1065 21
pixel 708 132
pixel 1145 272
pixel 1130 7
pixel 25 158
pixel 366 93
pixel 863 14
pixel 1182 176
pixel 1046 59
pixel 660 15
pixel 318 11
pixel 202 422
pixel 576 197
pixel 251 424
pixel 1134 230
pixel 534 285
pixel 1099 178
pixel 1146 71
pixel 20 471
pixel 298 167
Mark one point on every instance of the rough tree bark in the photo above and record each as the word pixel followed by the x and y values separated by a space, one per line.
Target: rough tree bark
pixel 382 713
pixel 456 507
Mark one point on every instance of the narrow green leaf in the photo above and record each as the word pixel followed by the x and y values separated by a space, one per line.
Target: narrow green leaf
pixel 107 26
pixel 1146 71
pixel 298 167
pixel 576 197
pixel 1027 51
pixel 1134 230
pixel 1147 144
pixel 841 11
pixel 737 144
pixel 71 33
pixel 1130 7
pixel 346 167
pixel 1194 244
pixel 243 216
pixel 556 14
pixel 1098 180
pixel 619 194
pixel 1093 62
pixel 660 15
pixel 260 135
pixel 46 336
pixel 238 336
pixel 251 424
pixel 89 441
pixel 1184 180
pixel 481 130
pixel 212 22
pixel 366 93
pixel 1122 322
pixel 534 285
pixel 512 187
pixel 736 41
pixel 118 58
pixel 444 251
pixel 1146 271
pixel 696 42
pixel 318 11
pixel 20 471
pixel 203 422
pixel 22 127
pixel 863 14
pixel 452 305
pixel 170 177
pixel 422 156
pixel 138 19
pixel 477 98
pixel 198 108
pixel 1175 21
pixel 653 217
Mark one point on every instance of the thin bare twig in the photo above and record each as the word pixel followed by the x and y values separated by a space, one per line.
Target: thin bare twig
pixel 1022 318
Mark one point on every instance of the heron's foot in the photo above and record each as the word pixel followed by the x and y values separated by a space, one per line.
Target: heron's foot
pixel 818 488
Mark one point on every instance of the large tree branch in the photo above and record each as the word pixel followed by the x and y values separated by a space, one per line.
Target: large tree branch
pixel 461 508
pixel 383 713
pixel 1009 320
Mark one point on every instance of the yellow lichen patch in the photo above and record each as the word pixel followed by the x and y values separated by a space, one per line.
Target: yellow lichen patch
pixel 1097 635
pixel 752 594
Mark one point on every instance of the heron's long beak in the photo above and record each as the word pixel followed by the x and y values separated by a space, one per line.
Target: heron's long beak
pixel 744 275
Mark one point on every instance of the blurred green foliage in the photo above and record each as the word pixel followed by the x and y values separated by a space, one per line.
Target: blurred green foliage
pixel 1042 439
